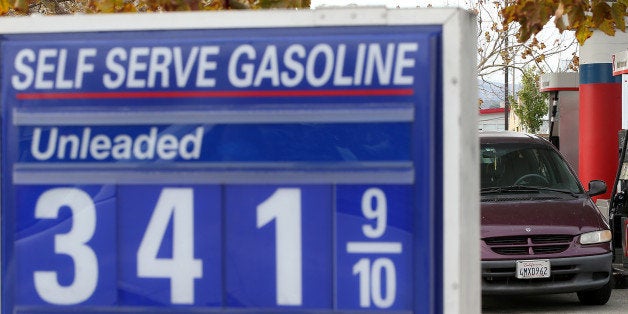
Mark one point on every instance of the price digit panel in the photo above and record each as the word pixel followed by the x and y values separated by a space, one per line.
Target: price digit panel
pixel 194 172
pixel 252 246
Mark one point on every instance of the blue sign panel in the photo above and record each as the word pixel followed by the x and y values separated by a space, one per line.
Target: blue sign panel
pixel 222 170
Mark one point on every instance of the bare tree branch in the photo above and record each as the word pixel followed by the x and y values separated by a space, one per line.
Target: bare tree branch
pixel 498 49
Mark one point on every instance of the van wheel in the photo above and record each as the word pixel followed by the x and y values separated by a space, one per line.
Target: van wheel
pixel 598 296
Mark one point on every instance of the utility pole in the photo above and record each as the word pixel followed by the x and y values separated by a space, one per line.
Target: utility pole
pixel 506 102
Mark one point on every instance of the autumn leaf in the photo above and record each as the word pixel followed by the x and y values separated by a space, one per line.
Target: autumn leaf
pixel 532 15
pixel 560 24
pixel 524 34
pixel 559 11
pixel 129 8
pixel 103 6
pixel 576 16
pixel 509 15
pixel 115 6
pixel 583 33
pixel 618 10
pixel 5 6
pixel 601 13
pixel 21 5
pixel 608 27
pixel 582 16
pixel 534 42
pixel 214 5
pixel 112 6
pixel 560 18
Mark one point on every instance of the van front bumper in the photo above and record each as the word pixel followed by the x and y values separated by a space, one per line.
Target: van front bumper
pixel 570 274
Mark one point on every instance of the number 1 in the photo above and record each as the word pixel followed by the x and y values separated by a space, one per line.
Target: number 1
pixel 284 206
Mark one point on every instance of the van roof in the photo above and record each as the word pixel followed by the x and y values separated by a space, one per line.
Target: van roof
pixel 511 137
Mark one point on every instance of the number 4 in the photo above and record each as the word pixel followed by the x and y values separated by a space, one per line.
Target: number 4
pixel 176 204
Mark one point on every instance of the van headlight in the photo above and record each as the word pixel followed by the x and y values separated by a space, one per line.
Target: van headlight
pixel 596 237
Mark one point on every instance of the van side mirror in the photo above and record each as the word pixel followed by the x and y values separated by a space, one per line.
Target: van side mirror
pixel 596 187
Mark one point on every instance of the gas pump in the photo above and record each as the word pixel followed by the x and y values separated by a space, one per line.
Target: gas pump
pixel 618 213
pixel 618 206
pixel 563 113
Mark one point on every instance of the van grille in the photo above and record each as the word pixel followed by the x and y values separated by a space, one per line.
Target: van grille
pixel 530 245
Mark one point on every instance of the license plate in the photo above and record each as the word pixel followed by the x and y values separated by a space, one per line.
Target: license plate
pixel 528 269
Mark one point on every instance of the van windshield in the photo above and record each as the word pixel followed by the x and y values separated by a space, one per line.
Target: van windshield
pixel 507 165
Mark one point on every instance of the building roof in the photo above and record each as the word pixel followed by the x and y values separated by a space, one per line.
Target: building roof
pixel 492 110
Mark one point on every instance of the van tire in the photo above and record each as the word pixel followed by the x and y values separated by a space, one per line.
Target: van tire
pixel 598 296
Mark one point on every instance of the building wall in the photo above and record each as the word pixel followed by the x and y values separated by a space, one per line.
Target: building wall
pixel 491 119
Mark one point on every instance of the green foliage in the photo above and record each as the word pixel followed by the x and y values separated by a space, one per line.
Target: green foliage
pixel 581 16
pixel 530 105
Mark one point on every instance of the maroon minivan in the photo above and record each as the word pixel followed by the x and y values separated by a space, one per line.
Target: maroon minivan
pixel 541 232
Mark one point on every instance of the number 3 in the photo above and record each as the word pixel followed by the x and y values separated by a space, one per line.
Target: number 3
pixel 72 244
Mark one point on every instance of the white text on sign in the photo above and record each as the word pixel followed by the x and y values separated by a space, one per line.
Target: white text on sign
pixel 340 65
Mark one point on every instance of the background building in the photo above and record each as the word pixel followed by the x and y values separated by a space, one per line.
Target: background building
pixel 491 119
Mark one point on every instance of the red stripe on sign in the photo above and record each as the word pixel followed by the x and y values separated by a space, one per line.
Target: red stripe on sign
pixel 220 94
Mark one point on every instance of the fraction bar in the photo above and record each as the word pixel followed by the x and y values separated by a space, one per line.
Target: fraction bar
pixel 374 247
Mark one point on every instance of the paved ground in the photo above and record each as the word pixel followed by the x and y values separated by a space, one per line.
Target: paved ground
pixel 560 303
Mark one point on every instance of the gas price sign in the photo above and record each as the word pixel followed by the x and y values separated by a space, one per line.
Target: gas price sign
pixel 217 169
